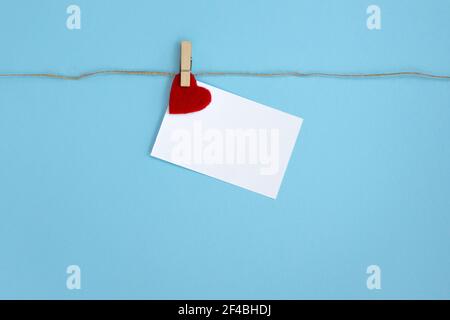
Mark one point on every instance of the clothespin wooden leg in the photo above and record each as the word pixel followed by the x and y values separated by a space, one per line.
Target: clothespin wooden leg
pixel 185 63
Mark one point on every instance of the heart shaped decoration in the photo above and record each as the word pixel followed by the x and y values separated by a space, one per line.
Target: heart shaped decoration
pixel 188 99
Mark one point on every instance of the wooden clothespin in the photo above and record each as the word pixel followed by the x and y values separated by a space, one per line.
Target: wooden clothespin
pixel 185 63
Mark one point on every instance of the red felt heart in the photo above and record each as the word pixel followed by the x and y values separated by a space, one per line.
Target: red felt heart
pixel 188 99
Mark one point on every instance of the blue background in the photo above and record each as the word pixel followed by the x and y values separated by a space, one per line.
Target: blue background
pixel 368 182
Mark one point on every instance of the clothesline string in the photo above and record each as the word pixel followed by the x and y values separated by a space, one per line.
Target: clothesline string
pixel 81 76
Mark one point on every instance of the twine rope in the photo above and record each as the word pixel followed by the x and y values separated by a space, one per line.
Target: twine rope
pixel 298 74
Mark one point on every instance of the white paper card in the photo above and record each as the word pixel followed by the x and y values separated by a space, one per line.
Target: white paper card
pixel 234 139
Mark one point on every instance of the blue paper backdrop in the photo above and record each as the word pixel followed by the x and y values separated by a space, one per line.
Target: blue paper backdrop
pixel 368 182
